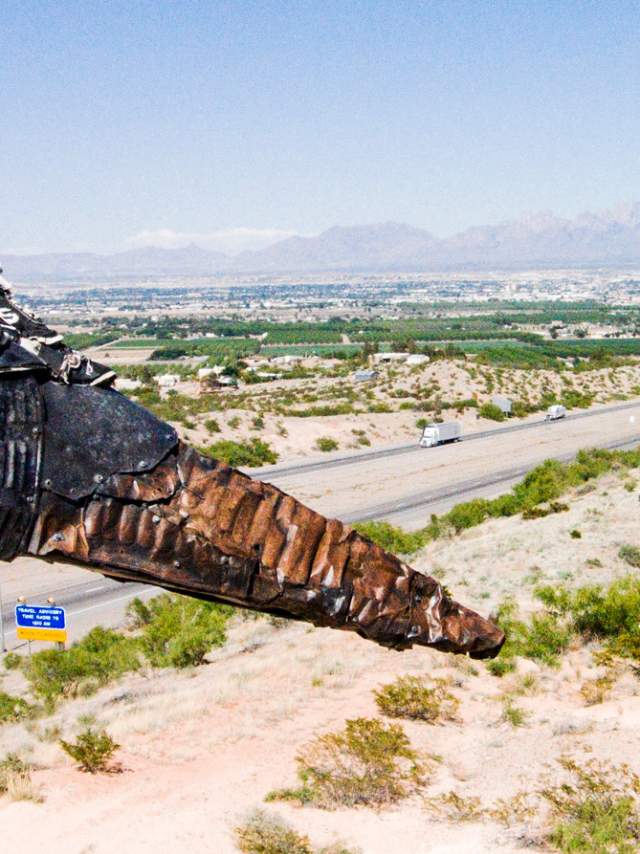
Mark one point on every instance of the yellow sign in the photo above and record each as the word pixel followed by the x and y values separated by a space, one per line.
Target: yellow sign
pixel 55 635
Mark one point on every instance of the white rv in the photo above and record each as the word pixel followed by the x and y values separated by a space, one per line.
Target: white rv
pixel 439 434
pixel 555 412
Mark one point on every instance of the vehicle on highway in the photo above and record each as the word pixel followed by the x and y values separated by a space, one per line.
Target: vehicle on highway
pixel 440 434
pixel 555 412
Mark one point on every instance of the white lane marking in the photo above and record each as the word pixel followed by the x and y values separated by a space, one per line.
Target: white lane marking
pixel 105 604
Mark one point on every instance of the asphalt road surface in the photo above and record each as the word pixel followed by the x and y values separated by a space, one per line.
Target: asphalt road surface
pixel 403 483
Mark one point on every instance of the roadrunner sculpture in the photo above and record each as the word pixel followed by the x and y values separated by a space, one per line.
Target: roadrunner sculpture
pixel 90 477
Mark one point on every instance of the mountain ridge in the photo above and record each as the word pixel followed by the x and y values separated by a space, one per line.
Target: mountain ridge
pixel 538 240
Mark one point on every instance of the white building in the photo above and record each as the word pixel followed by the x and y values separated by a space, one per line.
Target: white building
pixel 168 380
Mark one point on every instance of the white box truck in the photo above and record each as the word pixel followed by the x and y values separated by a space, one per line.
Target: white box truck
pixel 438 434
pixel 555 412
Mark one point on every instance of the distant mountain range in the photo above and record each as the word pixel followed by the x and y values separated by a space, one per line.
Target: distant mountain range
pixel 543 240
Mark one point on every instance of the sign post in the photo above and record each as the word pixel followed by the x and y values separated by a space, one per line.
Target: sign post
pixel 41 622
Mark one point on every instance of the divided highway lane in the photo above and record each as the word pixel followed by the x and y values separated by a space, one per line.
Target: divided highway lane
pixel 463 491
pixel 273 473
pixel 383 483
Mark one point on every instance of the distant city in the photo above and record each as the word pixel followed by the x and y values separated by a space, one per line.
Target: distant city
pixel 321 297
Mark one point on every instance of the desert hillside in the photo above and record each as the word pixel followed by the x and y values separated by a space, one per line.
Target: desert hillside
pixel 202 747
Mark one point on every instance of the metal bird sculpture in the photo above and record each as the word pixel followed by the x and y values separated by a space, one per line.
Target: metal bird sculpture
pixel 89 477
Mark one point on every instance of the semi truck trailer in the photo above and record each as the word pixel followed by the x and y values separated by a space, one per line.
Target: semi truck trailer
pixel 439 434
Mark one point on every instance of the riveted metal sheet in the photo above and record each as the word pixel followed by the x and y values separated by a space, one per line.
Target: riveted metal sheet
pixel 92 433
pixel 21 421
pixel 15 359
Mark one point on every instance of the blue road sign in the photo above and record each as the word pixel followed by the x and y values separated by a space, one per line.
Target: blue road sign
pixel 40 617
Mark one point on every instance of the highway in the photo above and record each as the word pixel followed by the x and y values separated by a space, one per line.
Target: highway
pixel 402 483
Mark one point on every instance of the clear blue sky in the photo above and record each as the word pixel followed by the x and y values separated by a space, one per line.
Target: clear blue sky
pixel 197 117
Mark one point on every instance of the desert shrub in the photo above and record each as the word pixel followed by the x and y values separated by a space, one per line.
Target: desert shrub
pixel 504 505
pixel 502 665
pixel 212 425
pixel 262 833
pixel 491 411
pixel 543 639
pixel 92 750
pixel 596 811
pixel 539 512
pixel 572 399
pixel 611 614
pixel 181 631
pixel 409 697
pixel 12 661
pixel 369 762
pixel 595 691
pixel 468 514
pixel 454 807
pixel 542 484
pixel 392 538
pixel 13 769
pixel 250 454
pixel 512 714
pixel 14 709
pixel 138 614
pixel 101 656
pixel 630 555
pixel 326 444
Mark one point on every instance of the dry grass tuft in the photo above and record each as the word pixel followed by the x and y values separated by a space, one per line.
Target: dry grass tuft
pixel 410 697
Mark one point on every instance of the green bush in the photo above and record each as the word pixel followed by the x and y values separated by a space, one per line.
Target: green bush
pixel 596 811
pixel 611 614
pixel 326 444
pixel 250 454
pixel 543 639
pixel 468 514
pixel 392 538
pixel 409 697
pixel 92 750
pixel 630 555
pixel 12 661
pixel 212 425
pixel 101 656
pixel 369 763
pixel 262 833
pixel 491 411
pixel 179 631
pixel 14 709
